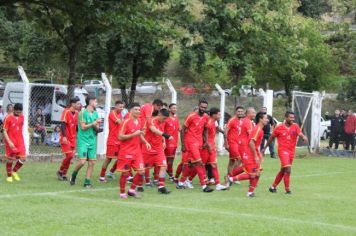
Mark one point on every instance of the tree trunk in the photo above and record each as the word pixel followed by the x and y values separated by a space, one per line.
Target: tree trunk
pixel 72 63
pixel 287 88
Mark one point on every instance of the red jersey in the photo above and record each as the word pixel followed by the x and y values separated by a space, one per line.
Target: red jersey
pixel 234 126
pixel 246 128
pixel 256 135
pixel 146 113
pixel 71 121
pixel 211 126
pixel 133 145
pixel 171 127
pixel 350 124
pixel 287 137
pixel 114 128
pixel 13 125
pixel 156 141
pixel 195 125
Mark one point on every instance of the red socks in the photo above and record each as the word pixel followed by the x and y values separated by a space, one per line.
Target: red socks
pixel 278 179
pixel 193 173
pixel 9 168
pixel 123 179
pixel 185 173
pixel 216 174
pixel 161 182
pixel 201 173
pixel 253 184
pixel 156 172
pixel 170 168
pixel 102 172
pixel 241 177
pixel 18 165
pixel 147 176
pixel 179 170
pixel 137 181
pixel 286 179
pixel 114 167
pixel 66 163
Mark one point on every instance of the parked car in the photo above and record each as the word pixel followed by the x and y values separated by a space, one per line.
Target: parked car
pixel 42 81
pixel 148 87
pixel 324 130
pixel 188 89
pixel 94 86
pixel 279 93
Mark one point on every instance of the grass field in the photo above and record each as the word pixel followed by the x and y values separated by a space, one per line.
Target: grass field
pixel 323 203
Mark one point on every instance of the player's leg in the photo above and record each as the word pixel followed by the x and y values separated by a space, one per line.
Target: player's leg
pixel 286 179
pixel 253 184
pixel 76 170
pixel 277 180
pixel 178 171
pixel 111 172
pixel 160 161
pixel 138 165
pixel 89 173
pixel 62 172
pixel 9 163
pixel 19 163
pixel 103 170
pixel 285 159
pixel 215 173
pixel 123 167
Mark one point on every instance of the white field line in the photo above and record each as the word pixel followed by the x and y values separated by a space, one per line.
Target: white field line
pixel 139 204
pixel 315 175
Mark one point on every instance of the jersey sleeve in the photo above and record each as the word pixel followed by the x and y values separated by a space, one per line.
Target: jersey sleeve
pixel 188 120
pixel 255 133
pixel 64 116
pixel 112 117
pixel 124 126
pixel 298 130
pixel 276 131
pixel 6 124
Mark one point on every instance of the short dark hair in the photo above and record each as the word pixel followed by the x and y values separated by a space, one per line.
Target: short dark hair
pixel 134 104
pixel 89 98
pixel 172 104
pixel 203 100
pixel 214 111
pixel 288 113
pixel 165 104
pixel 239 107
pixel 18 107
pixel 74 100
pixel 164 112
pixel 118 102
pixel 260 116
pixel 157 102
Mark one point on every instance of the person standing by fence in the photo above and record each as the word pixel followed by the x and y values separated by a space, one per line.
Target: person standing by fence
pixel 350 131
pixel 336 129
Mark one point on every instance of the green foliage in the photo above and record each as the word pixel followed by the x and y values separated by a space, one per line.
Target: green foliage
pixel 314 8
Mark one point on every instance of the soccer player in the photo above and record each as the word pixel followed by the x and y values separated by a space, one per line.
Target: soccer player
pixel 113 143
pixel 88 127
pixel 154 156
pixel 172 128
pixel 130 155
pixel 69 123
pixel 232 132
pixel 252 157
pixel 148 110
pixel 209 153
pixel 287 135
pixel 192 133
pixel 14 142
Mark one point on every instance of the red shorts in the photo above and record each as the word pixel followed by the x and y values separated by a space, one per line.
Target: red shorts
pixel 286 158
pixel 209 157
pixel 127 162
pixel 243 150
pixel 193 151
pixel 170 152
pixel 68 147
pixel 234 152
pixel 154 159
pixel 185 157
pixel 112 151
pixel 16 153
pixel 252 169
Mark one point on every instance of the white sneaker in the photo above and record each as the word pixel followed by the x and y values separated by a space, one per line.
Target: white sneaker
pixel 188 184
pixel 220 187
pixel 237 182
pixel 212 181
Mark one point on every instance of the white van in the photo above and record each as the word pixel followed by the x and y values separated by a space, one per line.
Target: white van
pixel 51 98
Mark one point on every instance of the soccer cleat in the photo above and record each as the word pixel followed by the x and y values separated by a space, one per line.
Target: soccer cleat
pixel 164 190
pixel 133 193
pixel 172 179
pixel 102 180
pixel 272 190
pixel 129 179
pixel 149 185
pixel 15 176
pixel 9 179
pixel 72 181
pixel 211 181
pixel 251 195
pixel 180 185
pixel 59 176
pixel 219 187
pixel 65 178
pixel 188 184
pixel 155 182
pixel 140 189
pixel 228 182
pixel 88 186
pixel 109 175
pixel 123 195
pixel 207 189
pixel 237 182
pixel 289 192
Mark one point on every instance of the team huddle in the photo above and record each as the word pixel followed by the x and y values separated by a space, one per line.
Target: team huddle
pixel 146 139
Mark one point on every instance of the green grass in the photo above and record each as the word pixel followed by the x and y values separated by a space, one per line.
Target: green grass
pixel 323 203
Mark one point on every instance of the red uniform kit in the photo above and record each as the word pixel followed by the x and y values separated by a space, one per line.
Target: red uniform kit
pixel 113 143
pixel 248 160
pixel 171 127
pixel 13 125
pixel 195 125
pixel 234 126
pixel 146 113
pixel 246 129
pixel 130 155
pixel 209 157
pixel 287 140
pixel 70 119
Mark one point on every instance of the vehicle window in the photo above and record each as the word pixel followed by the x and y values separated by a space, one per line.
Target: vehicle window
pixel 86 82
pixel 96 82
pixel 15 97
pixel 61 99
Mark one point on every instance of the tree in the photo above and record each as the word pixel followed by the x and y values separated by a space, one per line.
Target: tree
pixel 314 8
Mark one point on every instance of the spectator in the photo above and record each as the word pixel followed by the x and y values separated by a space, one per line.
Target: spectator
pixel 39 127
pixel 47 111
pixel 124 111
pixel 336 129
pixel 39 118
pixel 9 110
pixel 350 131
pixel 268 129
pixel 2 115
pixel 54 140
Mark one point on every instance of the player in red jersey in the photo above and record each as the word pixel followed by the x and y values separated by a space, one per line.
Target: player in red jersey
pixel 287 135
pixel 209 153
pixel 194 138
pixel 252 158
pixel 172 128
pixel 154 157
pixel 113 143
pixel 130 156
pixel 14 142
pixel 148 110
pixel 69 122
pixel 232 132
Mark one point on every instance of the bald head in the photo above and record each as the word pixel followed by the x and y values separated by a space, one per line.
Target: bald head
pixel 251 113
